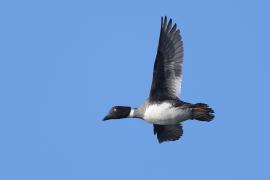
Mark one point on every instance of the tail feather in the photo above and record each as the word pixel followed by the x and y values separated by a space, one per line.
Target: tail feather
pixel 202 112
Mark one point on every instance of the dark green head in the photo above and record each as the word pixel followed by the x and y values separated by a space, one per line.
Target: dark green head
pixel 118 112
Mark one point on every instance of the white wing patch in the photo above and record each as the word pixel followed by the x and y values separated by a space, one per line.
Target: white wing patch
pixel 178 84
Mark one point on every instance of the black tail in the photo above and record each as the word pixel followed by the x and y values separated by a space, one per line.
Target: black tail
pixel 202 112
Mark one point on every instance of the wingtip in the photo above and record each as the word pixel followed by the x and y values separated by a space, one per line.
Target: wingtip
pixel 165 21
pixel 169 26
pixel 160 141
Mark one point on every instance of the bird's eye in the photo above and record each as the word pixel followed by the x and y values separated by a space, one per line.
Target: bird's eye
pixel 114 109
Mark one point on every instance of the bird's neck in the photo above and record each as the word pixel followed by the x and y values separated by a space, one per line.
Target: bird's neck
pixel 134 113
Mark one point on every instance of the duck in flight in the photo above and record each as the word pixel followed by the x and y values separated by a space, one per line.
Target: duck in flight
pixel 163 108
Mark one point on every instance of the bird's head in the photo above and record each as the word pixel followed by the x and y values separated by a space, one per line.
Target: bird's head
pixel 117 112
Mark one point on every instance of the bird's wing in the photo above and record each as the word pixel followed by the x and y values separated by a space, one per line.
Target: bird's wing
pixel 168 132
pixel 167 74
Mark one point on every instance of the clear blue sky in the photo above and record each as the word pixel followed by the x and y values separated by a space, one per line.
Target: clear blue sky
pixel 63 64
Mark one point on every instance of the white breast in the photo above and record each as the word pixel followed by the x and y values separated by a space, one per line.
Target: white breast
pixel 165 114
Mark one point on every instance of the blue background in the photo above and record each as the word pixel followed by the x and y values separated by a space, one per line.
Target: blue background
pixel 63 64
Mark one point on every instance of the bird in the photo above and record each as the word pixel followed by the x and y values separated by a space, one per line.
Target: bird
pixel 163 108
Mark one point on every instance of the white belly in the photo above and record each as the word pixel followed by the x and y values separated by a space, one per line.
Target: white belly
pixel 165 114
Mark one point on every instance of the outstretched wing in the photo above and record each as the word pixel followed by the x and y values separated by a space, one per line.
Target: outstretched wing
pixel 167 74
pixel 168 132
